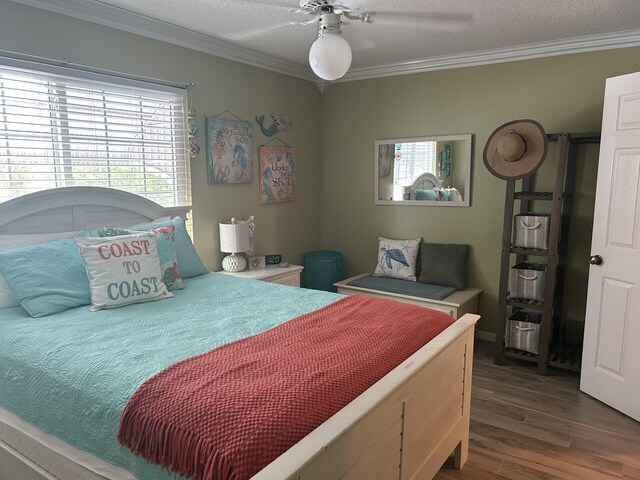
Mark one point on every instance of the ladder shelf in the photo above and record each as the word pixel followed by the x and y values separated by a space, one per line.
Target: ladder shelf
pixel 561 199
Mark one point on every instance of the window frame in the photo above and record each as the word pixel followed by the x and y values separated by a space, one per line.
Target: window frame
pixel 64 159
pixel 400 181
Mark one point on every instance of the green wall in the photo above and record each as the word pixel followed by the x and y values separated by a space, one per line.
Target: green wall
pixel 564 94
pixel 247 91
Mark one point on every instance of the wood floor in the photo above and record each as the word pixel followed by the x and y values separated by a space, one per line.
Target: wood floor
pixel 524 426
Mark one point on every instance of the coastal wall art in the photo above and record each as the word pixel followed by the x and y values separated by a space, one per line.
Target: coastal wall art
pixel 277 174
pixel 228 151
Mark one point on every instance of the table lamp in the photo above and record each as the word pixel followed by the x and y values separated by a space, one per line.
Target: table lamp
pixel 234 239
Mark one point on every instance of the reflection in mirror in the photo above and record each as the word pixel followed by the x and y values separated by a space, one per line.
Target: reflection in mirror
pixel 424 171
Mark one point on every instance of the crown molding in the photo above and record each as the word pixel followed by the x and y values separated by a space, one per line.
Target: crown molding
pixel 589 43
pixel 121 19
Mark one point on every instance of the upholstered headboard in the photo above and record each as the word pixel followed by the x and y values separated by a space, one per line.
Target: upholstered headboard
pixel 79 208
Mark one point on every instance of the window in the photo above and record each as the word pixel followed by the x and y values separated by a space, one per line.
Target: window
pixel 411 161
pixel 58 130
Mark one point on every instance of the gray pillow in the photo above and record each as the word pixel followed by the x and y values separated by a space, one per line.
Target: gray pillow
pixel 444 264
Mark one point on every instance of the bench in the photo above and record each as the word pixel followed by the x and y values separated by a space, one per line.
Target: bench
pixel 456 304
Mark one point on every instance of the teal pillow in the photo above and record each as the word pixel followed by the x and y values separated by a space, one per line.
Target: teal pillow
pixel 188 260
pixel 433 194
pixel 444 264
pixel 47 278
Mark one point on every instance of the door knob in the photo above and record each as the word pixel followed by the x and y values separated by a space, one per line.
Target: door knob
pixel 595 260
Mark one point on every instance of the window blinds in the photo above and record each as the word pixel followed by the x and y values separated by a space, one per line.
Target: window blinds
pixel 412 160
pixel 59 130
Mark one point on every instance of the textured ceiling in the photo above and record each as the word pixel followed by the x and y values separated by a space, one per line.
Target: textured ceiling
pixel 409 29
pixel 403 30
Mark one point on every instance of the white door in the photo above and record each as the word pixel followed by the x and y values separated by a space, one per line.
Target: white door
pixel 611 356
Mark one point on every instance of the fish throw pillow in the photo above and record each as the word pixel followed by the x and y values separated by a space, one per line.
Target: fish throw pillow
pixel 397 258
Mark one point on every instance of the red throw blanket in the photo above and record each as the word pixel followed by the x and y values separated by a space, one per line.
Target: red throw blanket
pixel 228 413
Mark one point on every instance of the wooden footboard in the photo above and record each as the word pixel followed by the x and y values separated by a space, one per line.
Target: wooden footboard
pixel 404 427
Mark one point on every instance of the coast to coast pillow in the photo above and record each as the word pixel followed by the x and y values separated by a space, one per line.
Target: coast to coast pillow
pixel 46 278
pixel 123 270
pixel 444 264
pixel 397 258
pixel 165 241
pixel 188 259
pixel 8 242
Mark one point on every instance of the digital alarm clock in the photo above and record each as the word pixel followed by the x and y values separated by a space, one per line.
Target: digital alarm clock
pixel 273 259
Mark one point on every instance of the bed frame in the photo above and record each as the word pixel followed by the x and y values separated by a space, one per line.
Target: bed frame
pixel 405 426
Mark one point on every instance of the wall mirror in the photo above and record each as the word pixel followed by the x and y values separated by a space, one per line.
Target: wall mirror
pixel 423 171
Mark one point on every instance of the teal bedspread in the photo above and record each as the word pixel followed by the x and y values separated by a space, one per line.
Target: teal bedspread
pixel 71 374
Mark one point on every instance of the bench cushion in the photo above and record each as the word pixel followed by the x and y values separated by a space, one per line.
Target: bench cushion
pixel 405 287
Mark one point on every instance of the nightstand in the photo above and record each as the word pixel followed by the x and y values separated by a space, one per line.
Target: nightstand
pixel 283 275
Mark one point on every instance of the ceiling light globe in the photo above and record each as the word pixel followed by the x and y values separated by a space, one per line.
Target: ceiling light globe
pixel 330 56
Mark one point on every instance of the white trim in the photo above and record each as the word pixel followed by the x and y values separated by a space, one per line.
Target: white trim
pixel 138 24
pixel 121 19
pixel 588 43
pixel 486 336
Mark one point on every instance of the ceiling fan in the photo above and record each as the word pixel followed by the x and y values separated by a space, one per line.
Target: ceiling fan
pixel 330 55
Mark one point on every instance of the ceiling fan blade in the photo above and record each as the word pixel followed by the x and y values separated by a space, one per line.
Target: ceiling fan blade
pixel 266 29
pixel 435 21
pixel 249 33
pixel 269 3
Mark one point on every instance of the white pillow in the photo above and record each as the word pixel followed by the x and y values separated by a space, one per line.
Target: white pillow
pixel 454 194
pixel 7 242
pixel 397 258
pixel 123 270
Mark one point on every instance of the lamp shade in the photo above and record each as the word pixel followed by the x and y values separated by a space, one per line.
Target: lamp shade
pixel 330 56
pixel 234 237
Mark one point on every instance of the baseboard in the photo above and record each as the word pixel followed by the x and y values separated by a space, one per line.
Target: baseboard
pixel 486 336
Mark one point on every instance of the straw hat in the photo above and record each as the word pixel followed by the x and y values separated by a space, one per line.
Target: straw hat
pixel 516 149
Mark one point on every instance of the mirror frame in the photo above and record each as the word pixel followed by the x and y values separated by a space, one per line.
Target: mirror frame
pixel 430 203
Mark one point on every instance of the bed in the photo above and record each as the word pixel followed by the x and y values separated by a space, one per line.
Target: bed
pixel 397 428
pixel 428 187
